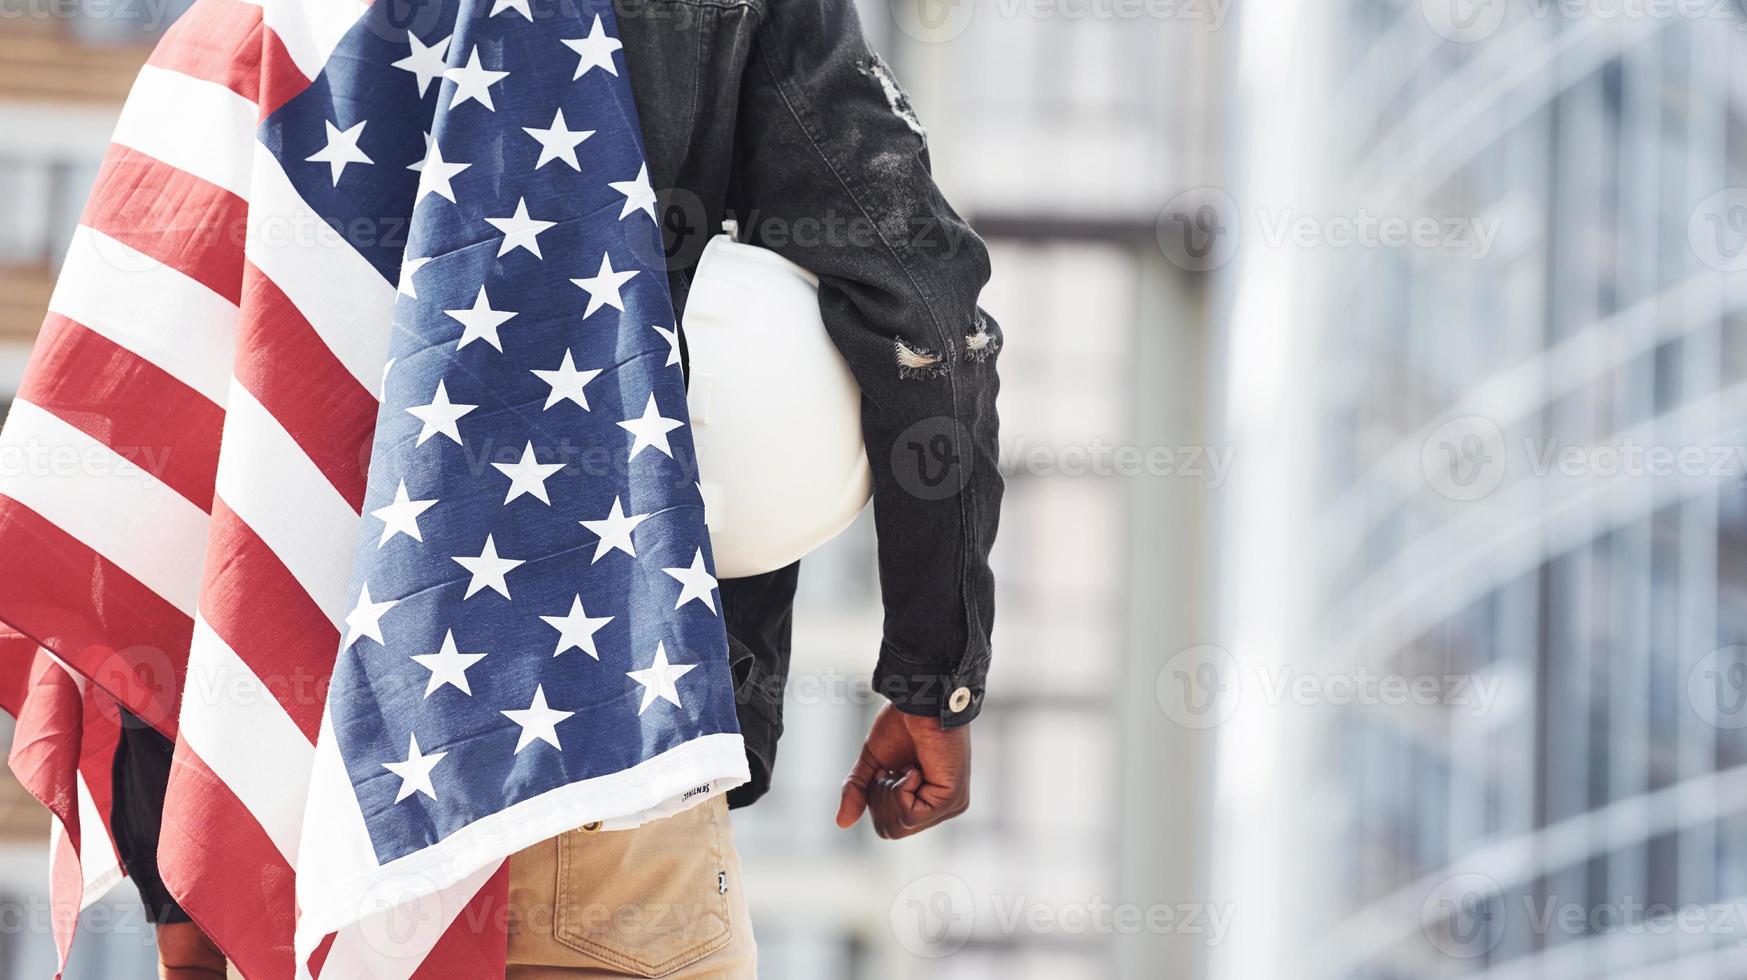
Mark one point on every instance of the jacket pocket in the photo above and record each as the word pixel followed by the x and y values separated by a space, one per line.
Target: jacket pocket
pixel 648 901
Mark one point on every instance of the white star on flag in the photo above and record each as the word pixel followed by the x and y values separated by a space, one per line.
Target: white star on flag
pixel 401 516
pixel 528 476
pixel 603 287
pixel 639 196
pixel 672 338
pixel 650 430
pixel 415 772
pixel 426 62
pixel 488 570
pixel 435 174
pixel 519 6
pixel 365 619
pixel 695 582
pixel 614 531
pixel 473 82
pixel 539 722
pixel 448 666
pixel 480 322
pixel 577 629
pixel 595 50
pixel 558 142
pixel 567 383
pixel 658 679
pixel 407 268
pixel 520 231
pixel 419 165
pixel 342 149
pixel 440 416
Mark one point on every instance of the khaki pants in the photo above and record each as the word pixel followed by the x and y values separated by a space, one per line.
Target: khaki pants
pixel 664 900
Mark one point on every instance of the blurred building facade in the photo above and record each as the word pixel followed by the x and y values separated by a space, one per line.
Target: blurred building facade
pixel 62 82
pixel 1502 458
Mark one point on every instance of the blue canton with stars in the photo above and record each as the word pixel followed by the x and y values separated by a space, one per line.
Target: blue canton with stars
pixel 533 601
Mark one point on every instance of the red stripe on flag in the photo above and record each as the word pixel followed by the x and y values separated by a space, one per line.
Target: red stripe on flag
pixel 284 637
pixel 45 745
pixel 190 225
pixel 17 662
pixel 225 872
pixel 319 956
pixel 226 42
pixel 128 404
pixel 476 944
pixel 216 40
pixel 293 373
pixel 97 618
pixel 284 80
pixel 63 732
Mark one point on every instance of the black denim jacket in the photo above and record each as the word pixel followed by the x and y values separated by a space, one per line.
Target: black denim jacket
pixel 775 113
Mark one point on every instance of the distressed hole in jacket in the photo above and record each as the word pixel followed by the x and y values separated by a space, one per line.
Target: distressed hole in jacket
pixel 877 69
pixel 917 362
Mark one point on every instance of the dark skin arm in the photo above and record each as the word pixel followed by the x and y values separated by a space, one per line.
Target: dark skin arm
pixel 912 774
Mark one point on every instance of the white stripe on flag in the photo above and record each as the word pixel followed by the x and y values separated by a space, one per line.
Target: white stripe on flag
pixel 232 721
pixel 268 481
pixel 149 308
pixel 349 303
pixel 104 501
pixel 310 29
pixel 98 862
pixel 341 878
pixel 198 127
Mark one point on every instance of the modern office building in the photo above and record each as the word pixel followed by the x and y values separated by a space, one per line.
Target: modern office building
pixel 1503 457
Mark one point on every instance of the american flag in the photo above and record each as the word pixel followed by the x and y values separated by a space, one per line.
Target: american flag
pixel 354 455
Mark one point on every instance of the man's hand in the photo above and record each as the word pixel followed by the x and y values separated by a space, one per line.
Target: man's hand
pixel 911 775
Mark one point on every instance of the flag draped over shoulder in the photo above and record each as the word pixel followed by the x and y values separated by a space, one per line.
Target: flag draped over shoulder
pixel 355 457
